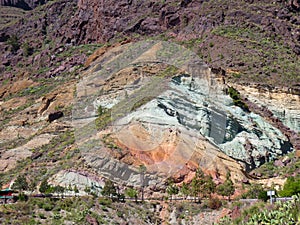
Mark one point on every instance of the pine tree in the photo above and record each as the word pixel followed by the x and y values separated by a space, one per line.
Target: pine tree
pixel 60 190
pixel 44 187
pixel 20 183
pixel 172 189
pixel 76 190
pixel 142 170
pixel 227 188
pixel 195 188
pixel 109 189
pixel 185 190
pixel 209 186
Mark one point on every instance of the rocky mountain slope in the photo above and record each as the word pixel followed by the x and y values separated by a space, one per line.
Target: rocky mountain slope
pixel 230 104
pixel 26 5
pixel 254 41
pixel 189 106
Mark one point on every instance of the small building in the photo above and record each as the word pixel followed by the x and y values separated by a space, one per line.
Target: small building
pixel 7 195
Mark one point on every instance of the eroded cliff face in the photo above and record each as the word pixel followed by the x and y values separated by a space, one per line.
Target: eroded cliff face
pixel 169 115
pixel 173 122
pixel 283 103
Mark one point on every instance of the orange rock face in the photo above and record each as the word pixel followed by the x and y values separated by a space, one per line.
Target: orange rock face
pixel 172 153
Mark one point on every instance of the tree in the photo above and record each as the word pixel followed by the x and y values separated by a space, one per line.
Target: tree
pixel 59 190
pixel 256 191
pixel 197 185
pixel 132 193
pixel 227 188
pixel 27 50
pixel 185 190
pixel 209 186
pixel 70 187
pixel 20 183
pixel 172 189
pixel 142 170
pixel 32 186
pixel 109 189
pixel 45 188
pixel 195 188
pixel 76 190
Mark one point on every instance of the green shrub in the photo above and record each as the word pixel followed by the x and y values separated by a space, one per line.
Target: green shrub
pixel 57 216
pixel 13 41
pixel 236 97
pixel 105 201
pixel 262 195
pixel 22 197
pixel 42 216
pixel 287 213
pixel 291 187
pixel 27 50
pixel 48 206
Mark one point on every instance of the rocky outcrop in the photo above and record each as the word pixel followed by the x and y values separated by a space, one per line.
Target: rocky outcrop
pixel 9 158
pixel 186 122
pixel 265 102
pixel 82 179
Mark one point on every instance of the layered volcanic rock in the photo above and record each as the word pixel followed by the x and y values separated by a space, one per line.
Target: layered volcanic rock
pixel 173 121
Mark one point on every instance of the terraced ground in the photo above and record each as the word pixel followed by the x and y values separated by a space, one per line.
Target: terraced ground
pixel 9 15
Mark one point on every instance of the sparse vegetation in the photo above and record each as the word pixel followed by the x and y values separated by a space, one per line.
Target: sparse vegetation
pixel 141 102
pixel 103 119
pixel 235 95
pixel 291 187
pixel 275 57
pixel 74 210
pixel 13 42
pixel 262 213
pixel 256 191
pixel 269 169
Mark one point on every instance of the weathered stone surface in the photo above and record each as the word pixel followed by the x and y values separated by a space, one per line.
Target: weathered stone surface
pixel 82 179
pixel 9 158
pixel 265 102
pixel 188 122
